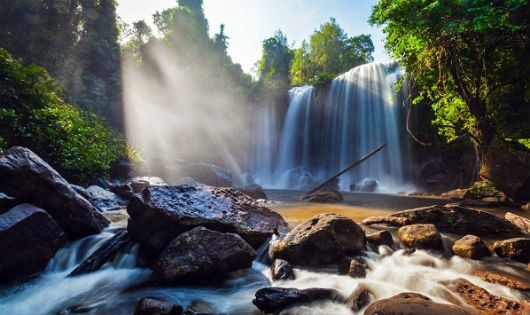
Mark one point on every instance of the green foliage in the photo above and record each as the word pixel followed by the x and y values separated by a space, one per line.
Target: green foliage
pixel 273 67
pixel 468 59
pixel 329 53
pixel 33 115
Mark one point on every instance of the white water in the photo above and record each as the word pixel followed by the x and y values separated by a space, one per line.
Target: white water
pixel 104 292
pixel 324 133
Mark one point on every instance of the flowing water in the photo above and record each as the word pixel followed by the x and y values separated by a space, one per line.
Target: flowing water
pixel 327 129
pixel 116 288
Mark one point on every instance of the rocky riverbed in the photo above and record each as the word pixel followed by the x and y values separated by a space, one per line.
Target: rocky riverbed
pixel 199 249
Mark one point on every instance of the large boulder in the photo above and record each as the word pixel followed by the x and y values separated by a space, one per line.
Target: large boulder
pixel 421 236
pixel 274 299
pixel 328 195
pixel 323 239
pixel 517 249
pixel 152 306
pixel 452 218
pixel 484 301
pixel 412 304
pixel 519 221
pixel 471 247
pixel 31 180
pixel 207 174
pixel 160 213
pixel 105 200
pixel 199 255
pixel 29 238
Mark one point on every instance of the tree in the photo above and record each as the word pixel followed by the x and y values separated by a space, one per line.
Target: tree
pixel 329 53
pixel 273 67
pixel 468 59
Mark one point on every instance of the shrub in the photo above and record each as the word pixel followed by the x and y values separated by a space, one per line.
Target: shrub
pixel 80 145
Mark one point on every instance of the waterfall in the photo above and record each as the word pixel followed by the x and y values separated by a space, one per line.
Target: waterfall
pixel 328 128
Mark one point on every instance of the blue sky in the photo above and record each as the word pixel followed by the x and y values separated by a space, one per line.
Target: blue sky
pixel 249 22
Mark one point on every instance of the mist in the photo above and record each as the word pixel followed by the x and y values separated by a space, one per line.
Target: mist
pixel 179 113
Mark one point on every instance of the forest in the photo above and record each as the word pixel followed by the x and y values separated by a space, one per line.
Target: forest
pixel 61 93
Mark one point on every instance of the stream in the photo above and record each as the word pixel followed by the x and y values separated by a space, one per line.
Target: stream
pixel 117 287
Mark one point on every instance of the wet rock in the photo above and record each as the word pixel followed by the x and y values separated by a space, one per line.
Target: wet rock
pixel 354 267
pixel 274 299
pixel 379 238
pixel 207 174
pixel 160 213
pixel 254 191
pixel 139 183
pixel 526 207
pixel 29 238
pixel 323 239
pixel 453 218
pixel 485 301
pixel 153 306
pixel 504 280
pixel 479 194
pixel 105 200
pixel 6 203
pixel 328 195
pixel 471 247
pixel 412 304
pixel 281 270
pixel 386 220
pixel 421 236
pixel 200 255
pixel 81 191
pixel 359 298
pixel 125 191
pixel 517 249
pixel 366 185
pixel 32 180
pixel 520 222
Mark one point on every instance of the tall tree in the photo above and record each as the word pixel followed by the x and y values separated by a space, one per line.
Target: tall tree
pixel 468 59
pixel 329 52
pixel 273 67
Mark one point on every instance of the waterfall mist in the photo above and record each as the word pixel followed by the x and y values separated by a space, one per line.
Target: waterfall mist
pixel 178 113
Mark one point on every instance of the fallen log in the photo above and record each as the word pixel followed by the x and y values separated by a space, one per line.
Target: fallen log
pixel 106 252
pixel 354 164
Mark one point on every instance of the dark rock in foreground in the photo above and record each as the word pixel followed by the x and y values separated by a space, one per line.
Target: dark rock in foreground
pixel 471 247
pixel 29 238
pixel 152 306
pixel 323 239
pixel 32 180
pixel 274 299
pixel 200 254
pixel 327 195
pixel 254 191
pixel 452 218
pixel 485 301
pixel 6 203
pixel 412 304
pixel 421 236
pixel 517 249
pixel 281 270
pixel 105 200
pixel 353 266
pixel 161 213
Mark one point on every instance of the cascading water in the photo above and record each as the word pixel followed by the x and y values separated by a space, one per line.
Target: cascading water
pixel 325 131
